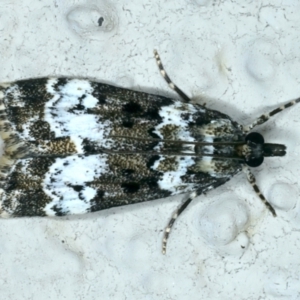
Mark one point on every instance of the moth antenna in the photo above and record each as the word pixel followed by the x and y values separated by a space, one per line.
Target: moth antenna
pixel 252 181
pixel 178 141
pixel 175 215
pixel 265 117
pixel 174 87
pixel 171 154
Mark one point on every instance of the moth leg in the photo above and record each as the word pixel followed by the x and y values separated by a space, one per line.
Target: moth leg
pixel 265 117
pixel 252 181
pixel 173 219
pixel 163 72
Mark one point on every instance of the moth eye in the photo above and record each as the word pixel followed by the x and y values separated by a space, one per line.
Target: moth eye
pixel 255 162
pixel 255 137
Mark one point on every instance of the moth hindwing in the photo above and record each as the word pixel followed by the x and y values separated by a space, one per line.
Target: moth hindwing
pixel 73 146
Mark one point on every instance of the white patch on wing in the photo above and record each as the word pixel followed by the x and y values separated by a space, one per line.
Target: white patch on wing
pixel 208 149
pixel 171 180
pixel 219 128
pixel 76 123
pixel 72 171
pixel 172 115
pixel 207 165
pixel 214 167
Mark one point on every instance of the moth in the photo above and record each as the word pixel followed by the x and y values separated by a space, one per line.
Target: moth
pixel 74 146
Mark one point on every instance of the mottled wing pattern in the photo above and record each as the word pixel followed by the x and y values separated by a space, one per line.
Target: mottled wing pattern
pixel 74 146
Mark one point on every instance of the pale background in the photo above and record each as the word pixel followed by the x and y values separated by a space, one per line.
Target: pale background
pixel 240 57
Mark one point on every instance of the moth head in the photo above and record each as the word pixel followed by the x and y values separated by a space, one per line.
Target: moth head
pixel 258 149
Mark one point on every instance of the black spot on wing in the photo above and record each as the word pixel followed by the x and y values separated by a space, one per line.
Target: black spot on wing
pixel 203 117
pixel 61 82
pixel 101 99
pixel 153 114
pixel 127 123
pixel 77 188
pixel 130 187
pixel 127 172
pixel 59 212
pixel 153 134
pixel 97 203
pixel 79 107
pixel 152 160
pixel 13 183
pixel 199 119
pixel 90 147
pixel 31 88
pixel 102 92
pixel 132 108
pixel 152 183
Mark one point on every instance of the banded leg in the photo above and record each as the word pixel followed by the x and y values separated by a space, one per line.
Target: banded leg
pixel 265 117
pixel 184 97
pixel 252 181
pixel 176 214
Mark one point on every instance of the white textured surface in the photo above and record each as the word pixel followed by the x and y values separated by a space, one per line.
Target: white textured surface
pixel 242 59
